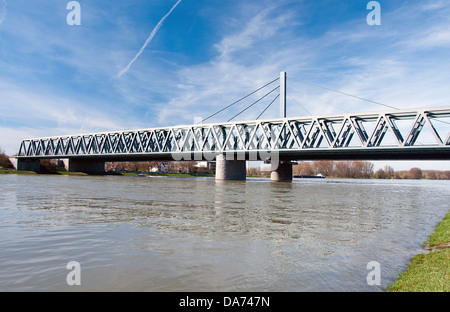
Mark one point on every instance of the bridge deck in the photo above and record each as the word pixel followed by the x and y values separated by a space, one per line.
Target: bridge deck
pixel 396 134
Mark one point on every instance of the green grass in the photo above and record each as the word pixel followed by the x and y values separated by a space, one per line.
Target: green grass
pixel 441 234
pixel 12 171
pixel 429 272
pixel 70 173
pixel 426 273
pixel 130 174
pixel 180 174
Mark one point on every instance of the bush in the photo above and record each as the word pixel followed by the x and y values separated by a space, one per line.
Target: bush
pixel 4 161
pixel 49 166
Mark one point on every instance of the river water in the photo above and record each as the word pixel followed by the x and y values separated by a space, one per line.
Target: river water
pixel 196 234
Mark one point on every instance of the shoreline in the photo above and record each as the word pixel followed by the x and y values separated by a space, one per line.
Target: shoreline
pixel 130 174
pixel 174 174
pixel 428 271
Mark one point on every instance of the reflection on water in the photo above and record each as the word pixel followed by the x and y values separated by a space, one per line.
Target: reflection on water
pixel 198 234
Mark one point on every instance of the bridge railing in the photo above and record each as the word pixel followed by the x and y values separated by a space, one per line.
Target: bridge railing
pixel 424 128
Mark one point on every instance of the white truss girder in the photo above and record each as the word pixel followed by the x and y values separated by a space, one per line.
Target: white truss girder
pixel 329 132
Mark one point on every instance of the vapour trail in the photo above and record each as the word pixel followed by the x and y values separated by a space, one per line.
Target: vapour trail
pixel 147 42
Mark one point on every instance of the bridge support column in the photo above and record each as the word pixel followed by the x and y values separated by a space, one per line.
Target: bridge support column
pixel 84 165
pixel 230 169
pixel 26 164
pixel 281 172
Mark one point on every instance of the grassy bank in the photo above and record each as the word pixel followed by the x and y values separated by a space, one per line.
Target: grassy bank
pixel 129 174
pixel 174 174
pixel 429 272
pixel 12 171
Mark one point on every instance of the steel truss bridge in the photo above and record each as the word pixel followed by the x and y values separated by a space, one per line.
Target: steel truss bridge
pixel 410 134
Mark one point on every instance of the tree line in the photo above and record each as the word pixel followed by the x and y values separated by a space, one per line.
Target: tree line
pixel 331 169
pixel 364 170
pixel 158 166
pixel 4 160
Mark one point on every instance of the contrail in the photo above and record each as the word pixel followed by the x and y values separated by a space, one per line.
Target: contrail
pixel 149 39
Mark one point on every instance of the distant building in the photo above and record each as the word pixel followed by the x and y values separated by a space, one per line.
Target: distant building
pixel 159 167
pixel 206 166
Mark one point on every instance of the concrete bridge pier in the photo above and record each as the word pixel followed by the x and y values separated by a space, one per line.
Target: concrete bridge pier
pixel 281 171
pixel 84 165
pixel 26 164
pixel 228 168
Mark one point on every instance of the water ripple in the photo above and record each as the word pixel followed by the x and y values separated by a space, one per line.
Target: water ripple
pixel 201 235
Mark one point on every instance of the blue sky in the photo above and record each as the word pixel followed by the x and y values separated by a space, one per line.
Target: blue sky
pixel 57 79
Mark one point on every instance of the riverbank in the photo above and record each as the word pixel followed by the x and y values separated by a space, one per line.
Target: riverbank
pixel 131 174
pixel 12 171
pixel 172 174
pixel 430 271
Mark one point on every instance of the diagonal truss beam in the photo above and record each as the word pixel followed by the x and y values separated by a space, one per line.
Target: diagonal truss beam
pixel 359 131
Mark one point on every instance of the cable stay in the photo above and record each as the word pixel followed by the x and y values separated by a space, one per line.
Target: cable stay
pixel 291 98
pixel 357 97
pixel 302 81
pixel 252 104
pixel 239 100
pixel 268 106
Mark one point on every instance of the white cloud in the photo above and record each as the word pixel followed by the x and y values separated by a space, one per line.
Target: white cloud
pixel 432 5
pixel 10 138
pixel 378 64
pixel 3 11
pixel 433 38
pixel 43 114
pixel 245 61
pixel 384 64
pixel 256 30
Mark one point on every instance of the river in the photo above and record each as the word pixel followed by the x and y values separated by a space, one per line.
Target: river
pixel 196 234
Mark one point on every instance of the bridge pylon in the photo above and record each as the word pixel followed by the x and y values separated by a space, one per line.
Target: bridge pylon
pixel 229 168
